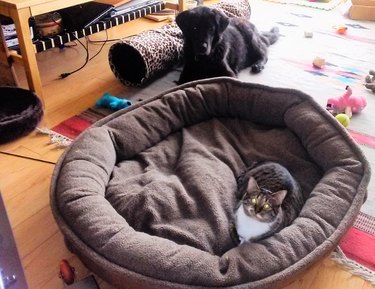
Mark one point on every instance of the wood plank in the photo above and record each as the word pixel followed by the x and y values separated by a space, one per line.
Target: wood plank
pixel 42 5
pixel 38 224
pixel 115 3
pixel 41 267
pixel 48 6
pixel 20 205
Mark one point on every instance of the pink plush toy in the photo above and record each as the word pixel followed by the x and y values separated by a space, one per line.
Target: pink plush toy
pixel 347 103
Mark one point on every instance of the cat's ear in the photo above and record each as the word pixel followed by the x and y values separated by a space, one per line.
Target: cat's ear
pixel 279 197
pixel 252 185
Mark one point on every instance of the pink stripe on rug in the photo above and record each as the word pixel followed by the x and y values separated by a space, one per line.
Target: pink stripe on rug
pixel 362 139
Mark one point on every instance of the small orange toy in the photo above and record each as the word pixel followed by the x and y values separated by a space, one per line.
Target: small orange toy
pixel 319 62
pixel 67 272
pixel 341 29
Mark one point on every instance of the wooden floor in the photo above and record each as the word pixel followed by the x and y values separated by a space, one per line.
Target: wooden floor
pixel 27 166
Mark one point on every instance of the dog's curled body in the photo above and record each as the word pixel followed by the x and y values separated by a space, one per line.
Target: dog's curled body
pixel 216 45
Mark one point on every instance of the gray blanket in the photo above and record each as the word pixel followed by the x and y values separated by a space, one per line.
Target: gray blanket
pixel 146 197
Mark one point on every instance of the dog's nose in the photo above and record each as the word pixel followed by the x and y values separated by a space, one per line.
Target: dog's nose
pixel 202 49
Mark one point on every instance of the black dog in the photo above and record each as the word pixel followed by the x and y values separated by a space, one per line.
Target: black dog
pixel 216 45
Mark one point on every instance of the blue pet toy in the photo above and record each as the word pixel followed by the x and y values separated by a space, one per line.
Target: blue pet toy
pixel 113 102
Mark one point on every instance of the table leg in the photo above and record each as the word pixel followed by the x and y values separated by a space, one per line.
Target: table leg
pixel 21 21
pixel 181 5
pixel 7 75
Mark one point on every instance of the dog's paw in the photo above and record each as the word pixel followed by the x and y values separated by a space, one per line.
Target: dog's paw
pixel 256 68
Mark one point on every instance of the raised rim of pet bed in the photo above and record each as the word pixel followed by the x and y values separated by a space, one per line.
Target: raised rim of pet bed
pixel 96 261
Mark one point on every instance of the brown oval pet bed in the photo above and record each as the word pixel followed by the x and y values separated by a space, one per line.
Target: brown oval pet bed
pixel 20 112
pixel 145 197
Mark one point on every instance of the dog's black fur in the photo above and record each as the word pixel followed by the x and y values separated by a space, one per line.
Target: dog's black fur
pixel 216 45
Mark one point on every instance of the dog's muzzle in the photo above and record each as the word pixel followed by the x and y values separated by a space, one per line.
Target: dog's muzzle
pixel 202 49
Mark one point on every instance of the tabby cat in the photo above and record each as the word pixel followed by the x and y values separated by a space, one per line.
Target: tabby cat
pixel 270 200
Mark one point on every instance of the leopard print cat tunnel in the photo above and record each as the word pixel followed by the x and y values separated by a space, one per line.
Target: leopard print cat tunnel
pixel 138 59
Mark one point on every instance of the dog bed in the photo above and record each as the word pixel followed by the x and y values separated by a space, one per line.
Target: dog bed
pixel 138 59
pixel 20 112
pixel 145 198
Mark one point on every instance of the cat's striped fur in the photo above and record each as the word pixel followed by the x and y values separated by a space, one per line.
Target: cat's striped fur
pixel 270 199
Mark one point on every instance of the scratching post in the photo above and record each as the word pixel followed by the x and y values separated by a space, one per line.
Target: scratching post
pixel 140 58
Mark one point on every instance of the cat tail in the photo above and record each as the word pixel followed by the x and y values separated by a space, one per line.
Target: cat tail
pixel 242 178
pixel 270 37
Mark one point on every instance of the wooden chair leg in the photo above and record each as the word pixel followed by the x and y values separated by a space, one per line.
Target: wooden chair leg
pixel 181 5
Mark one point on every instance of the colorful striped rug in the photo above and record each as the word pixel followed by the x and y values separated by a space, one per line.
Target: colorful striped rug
pixel 72 127
pixel 323 5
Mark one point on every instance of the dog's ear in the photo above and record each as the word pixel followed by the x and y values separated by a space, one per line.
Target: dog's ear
pixel 182 20
pixel 222 20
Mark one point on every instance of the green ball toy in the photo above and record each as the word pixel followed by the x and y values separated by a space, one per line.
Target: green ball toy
pixel 343 119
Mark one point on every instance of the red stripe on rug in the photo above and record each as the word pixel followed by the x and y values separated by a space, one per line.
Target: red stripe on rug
pixel 72 127
pixel 360 247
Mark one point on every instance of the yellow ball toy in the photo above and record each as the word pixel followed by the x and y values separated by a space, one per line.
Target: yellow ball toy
pixel 343 119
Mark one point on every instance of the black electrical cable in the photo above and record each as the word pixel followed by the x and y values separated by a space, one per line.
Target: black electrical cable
pixel 101 41
pixel 66 74
pixel 88 58
pixel 86 48
pixel 101 48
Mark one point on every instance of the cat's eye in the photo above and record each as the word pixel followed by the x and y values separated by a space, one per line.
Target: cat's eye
pixel 254 201
pixel 266 206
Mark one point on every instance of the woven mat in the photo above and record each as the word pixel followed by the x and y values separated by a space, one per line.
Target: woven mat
pixel 313 4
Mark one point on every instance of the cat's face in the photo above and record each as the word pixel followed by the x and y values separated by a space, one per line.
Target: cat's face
pixel 262 204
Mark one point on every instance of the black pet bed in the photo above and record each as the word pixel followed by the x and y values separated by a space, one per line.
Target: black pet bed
pixel 20 112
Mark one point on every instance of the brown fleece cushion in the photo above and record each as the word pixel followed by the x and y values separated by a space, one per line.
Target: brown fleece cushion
pixel 146 196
